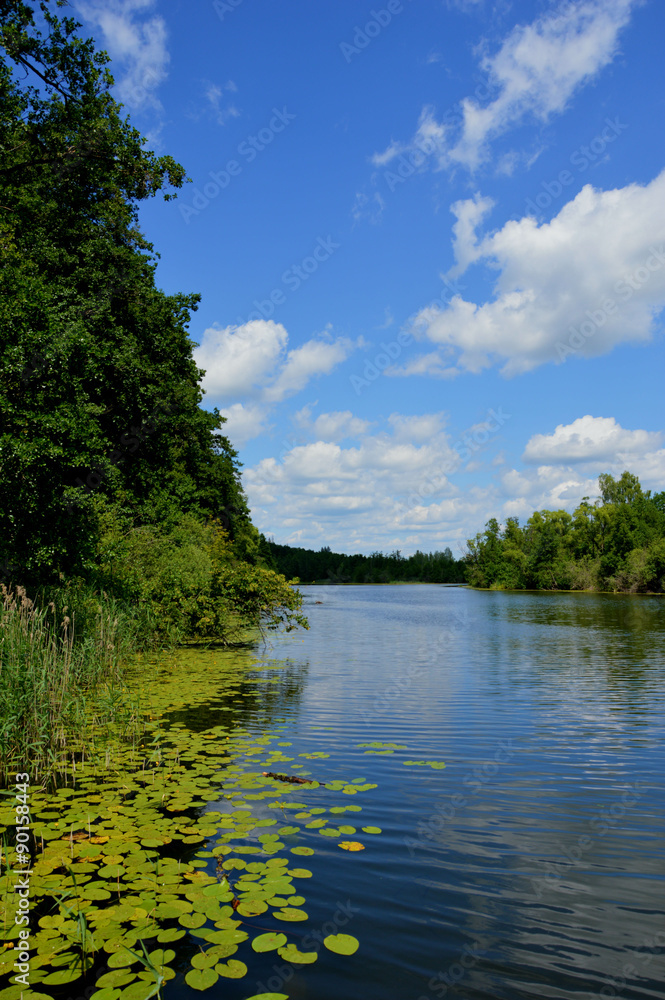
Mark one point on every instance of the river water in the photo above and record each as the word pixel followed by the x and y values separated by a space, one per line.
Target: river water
pixel 533 864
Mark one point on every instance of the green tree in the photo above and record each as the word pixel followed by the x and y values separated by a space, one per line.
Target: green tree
pixel 99 392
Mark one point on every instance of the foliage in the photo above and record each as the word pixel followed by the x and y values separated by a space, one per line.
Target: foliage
pixel 131 867
pixel 120 497
pixel 110 470
pixel 616 543
pixel 51 660
pixel 325 566
pixel 99 390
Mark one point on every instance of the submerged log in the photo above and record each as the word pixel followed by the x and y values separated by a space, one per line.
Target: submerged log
pixel 288 777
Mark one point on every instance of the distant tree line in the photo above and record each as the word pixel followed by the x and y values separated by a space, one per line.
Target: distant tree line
pixel 325 566
pixel 616 543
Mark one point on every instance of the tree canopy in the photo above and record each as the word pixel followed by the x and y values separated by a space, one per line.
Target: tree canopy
pixel 615 543
pixel 101 428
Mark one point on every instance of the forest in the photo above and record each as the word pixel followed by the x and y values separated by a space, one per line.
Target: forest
pixel 325 566
pixel 616 543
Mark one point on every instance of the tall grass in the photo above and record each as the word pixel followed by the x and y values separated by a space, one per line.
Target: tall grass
pixel 52 659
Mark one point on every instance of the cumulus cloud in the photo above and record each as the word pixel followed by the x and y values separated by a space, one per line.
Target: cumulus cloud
pixel 590 439
pixel 590 279
pixel 239 360
pixel 534 74
pixel 315 357
pixel 244 422
pixel 248 369
pixel 336 426
pixel 469 214
pixel 356 494
pixel 136 44
pixel 407 483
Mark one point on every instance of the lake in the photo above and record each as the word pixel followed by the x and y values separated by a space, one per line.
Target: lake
pixel 533 864
pixel 488 821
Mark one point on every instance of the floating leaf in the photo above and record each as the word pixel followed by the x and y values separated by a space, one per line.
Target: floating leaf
pixel 371 829
pixel 138 991
pixel 121 959
pixel 268 942
pixel 252 908
pixel 341 944
pixel 233 969
pixel 170 934
pixel 290 953
pixel 290 913
pixel 203 961
pixel 63 976
pixel 351 845
pixel 201 979
pixel 269 996
pixel 302 850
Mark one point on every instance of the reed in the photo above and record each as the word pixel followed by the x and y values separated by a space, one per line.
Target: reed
pixel 53 662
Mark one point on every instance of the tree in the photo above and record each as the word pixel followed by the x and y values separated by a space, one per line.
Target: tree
pixel 99 391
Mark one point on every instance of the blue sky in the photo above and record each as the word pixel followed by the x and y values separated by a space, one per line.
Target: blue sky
pixel 429 237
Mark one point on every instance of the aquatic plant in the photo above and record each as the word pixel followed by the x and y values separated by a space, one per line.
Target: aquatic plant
pixel 155 853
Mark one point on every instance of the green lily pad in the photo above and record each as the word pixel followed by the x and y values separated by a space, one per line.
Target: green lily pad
pixel 268 942
pixel 63 976
pixel 291 954
pixel 341 944
pixel 203 961
pixel 170 934
pixel 269 996
pixel 121 958
pixel 201 979
pixel 302 850
pixel 371 829
pixel 290 913
pixel 139 991
pixel 232 969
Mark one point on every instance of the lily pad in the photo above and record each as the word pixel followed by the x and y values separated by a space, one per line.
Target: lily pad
pixel 201 979
pixel 341 944
pixel 269 996
pixel 233 969
pixel 291 954
pixel 290 913
pixel 268 942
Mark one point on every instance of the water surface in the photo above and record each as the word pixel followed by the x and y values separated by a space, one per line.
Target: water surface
pixel 532 866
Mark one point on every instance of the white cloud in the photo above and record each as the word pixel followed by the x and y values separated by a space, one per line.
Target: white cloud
pixel 355 497
pixel 469 214
pixel 217 99
pixel 590 279
pixel 534 74
pixel 590 439
pixel 239 360
pixel 243 422
pixel 315 357
pixel 139 46
pixel 403 486
pixel 336 426
pixel 248 369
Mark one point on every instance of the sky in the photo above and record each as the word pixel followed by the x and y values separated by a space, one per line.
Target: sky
pixel 429 237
